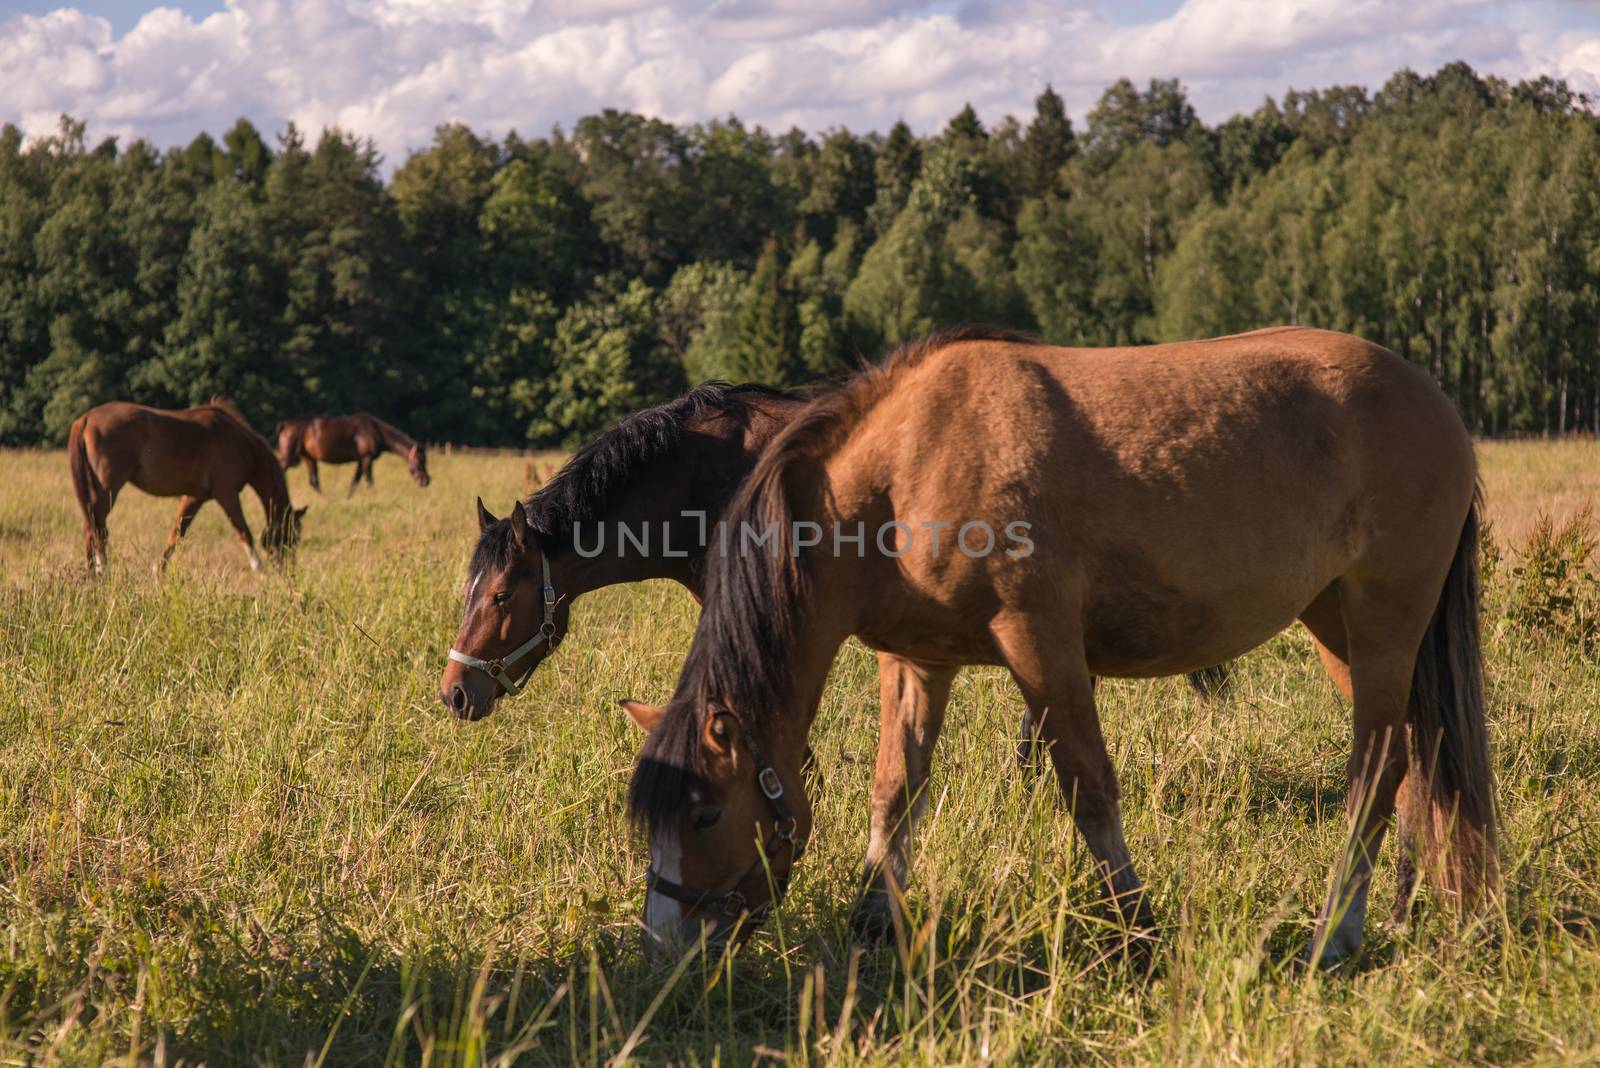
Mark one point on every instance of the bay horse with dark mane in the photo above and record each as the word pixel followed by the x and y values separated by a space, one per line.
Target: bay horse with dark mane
pixel 201 454
pixel 668 470
pixel 341 439
pixel 1179 505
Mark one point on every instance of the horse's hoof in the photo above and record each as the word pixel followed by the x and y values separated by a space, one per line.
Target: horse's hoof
pixel 870 921
pixel 1338 951
pixel 1136 948
pixel 1030 757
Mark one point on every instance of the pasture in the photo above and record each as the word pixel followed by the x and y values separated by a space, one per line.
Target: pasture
pixel 237 826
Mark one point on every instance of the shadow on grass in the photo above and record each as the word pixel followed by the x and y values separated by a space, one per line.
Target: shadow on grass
pixel 323 990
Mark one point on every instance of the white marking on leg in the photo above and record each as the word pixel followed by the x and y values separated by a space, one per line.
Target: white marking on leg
pixel 255 561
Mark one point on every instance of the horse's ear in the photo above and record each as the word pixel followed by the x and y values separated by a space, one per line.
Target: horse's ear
pixel 519 526
pixel 486 518
pixel 646 716
pixel 718 733
pixel 300 512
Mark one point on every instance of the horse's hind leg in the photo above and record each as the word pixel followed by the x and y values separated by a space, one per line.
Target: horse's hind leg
pixel 1051 672
pixel 187 510
pixel 229 502
pixel 96 533
pixel 1325 620
pixel 913 698
pixel 1383 630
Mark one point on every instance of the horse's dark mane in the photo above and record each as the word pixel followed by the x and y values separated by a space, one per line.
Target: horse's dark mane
pixel 751 612
pixel 605 469
pixel 393 436
pixel 273 468
pixel 231 410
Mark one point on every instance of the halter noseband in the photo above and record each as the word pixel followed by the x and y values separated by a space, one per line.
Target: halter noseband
pixel 731 904
pixel 497 668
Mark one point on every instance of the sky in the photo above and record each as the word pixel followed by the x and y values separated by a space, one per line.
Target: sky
pixel 394 69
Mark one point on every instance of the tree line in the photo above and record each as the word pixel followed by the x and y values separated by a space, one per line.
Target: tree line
pixel 519 291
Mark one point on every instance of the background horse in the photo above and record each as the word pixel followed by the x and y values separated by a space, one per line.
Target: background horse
pixel 199 454
pixel 1183 504
pixel 343 439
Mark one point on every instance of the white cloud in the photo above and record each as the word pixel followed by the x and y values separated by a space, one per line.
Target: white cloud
pixel 393 69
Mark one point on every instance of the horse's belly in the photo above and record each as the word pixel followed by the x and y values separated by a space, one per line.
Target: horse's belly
pixel 341 452
pixel 1140 625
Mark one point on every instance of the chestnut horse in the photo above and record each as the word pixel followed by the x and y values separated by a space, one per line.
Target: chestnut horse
pixel 343 439
pixel 200 454
pixel 1127 512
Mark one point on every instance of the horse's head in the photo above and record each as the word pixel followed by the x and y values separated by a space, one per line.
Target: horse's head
pixel 513 616
pixel 282 533
pixel 417 464
pixel 727 816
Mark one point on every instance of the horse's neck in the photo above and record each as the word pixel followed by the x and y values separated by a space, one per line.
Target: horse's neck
pixel 674 517
pixel 270 485
pixel 660 530
pixel 394 437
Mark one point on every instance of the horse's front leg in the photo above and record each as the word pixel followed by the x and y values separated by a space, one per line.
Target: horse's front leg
pixel 356 481
pixel 1046 658
pixel 188 508
pixel 311 473
pixel 229 503
pixel 913 696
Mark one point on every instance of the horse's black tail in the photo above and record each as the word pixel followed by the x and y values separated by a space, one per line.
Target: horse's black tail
pixel 1447 802
pixel 1210 682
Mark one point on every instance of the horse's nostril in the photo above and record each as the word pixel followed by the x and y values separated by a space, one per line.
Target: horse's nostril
pixel 458 698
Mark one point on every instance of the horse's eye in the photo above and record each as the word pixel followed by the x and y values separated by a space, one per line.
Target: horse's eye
pixel 706 817
pixel 502 597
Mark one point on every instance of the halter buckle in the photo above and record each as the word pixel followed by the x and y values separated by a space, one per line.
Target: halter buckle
pixel 495 668
pixel 549 596
pixel 770 784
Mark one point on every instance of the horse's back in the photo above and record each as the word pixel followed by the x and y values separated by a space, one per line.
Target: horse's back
pixel 1183 491
pixel 341 439
pixel 167 453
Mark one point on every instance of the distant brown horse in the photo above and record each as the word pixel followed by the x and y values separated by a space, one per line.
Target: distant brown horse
pixel 1125 512
pixel 343 439
pixel 199 454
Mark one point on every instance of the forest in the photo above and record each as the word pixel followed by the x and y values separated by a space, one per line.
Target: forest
pixel 531 291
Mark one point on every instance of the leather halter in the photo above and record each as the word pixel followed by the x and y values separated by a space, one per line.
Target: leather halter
pixel 498 669
pixel 732 903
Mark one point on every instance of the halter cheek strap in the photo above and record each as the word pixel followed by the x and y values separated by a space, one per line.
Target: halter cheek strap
pixel 733 903
pixel 499 669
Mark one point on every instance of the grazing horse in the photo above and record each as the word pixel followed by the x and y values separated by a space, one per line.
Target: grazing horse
pixel 343 439
pixel 200 454
pixel 1127 512
pixel 665 474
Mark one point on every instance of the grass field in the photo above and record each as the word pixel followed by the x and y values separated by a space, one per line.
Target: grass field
pixel 236 827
